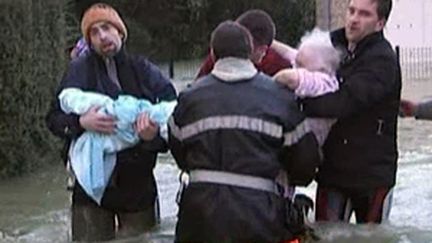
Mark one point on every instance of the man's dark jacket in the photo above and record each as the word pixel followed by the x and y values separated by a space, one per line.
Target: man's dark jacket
pixel 361 149
pixel 213 118
pixel 132 185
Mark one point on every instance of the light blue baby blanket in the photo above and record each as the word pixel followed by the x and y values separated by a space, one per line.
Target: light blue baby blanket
pixel 93 155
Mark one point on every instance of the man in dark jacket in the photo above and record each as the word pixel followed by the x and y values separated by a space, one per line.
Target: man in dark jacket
pixel 232 132
pixel 360 153
pixel 131 195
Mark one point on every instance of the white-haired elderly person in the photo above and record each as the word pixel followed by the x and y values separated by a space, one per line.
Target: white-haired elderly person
pixel 314 73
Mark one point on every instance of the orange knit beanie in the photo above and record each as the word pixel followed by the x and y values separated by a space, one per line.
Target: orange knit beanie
pixel 101 12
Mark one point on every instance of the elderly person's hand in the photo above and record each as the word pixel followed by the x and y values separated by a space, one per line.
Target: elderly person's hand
pixel 145 127
pixel 287 77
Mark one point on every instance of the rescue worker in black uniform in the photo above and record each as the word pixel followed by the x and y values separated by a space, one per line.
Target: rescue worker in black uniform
pixel 232 132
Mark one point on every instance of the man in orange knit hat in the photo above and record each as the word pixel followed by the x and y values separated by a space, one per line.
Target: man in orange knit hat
pixel 131 195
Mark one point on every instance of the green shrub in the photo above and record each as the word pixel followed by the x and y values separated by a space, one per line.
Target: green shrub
pixel 32 60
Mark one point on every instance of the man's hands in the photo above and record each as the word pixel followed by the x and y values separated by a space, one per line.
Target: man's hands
pixel 288 77
pixel 145 127
pixel 92 120
pixel 407 108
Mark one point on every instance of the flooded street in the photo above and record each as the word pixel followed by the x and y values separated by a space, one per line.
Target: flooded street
pixel 35 208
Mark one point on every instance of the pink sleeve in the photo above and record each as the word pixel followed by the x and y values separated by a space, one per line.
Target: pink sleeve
pixel 312 84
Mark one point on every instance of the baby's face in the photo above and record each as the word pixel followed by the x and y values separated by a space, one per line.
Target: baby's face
pixel 307 58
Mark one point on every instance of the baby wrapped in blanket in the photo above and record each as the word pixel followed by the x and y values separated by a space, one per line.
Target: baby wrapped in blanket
pixel 93 155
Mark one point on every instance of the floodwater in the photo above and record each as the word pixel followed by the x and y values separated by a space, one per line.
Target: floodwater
pixel 35 208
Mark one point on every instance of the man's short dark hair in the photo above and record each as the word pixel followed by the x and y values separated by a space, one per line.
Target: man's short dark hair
pixel 260 25
pixel 230 39
pixel 384 8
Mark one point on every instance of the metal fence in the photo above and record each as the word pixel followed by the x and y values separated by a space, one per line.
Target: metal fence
pixel 416 63
pixel 181 70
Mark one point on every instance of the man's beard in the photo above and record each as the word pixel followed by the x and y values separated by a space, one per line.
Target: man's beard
pixel 110 53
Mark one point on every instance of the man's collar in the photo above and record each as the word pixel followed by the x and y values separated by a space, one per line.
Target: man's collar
pixel 339 39
pixel 232 69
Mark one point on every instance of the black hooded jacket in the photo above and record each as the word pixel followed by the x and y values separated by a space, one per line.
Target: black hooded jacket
pixel 361 149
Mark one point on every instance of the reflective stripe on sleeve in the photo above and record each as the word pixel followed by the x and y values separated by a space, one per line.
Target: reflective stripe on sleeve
pixel 295 135
pixel 226 122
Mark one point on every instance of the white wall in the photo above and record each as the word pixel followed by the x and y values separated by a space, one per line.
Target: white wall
pixel 428 22
pixel 410 23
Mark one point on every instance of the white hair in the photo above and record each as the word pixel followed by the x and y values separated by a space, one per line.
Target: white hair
pixel 327 56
